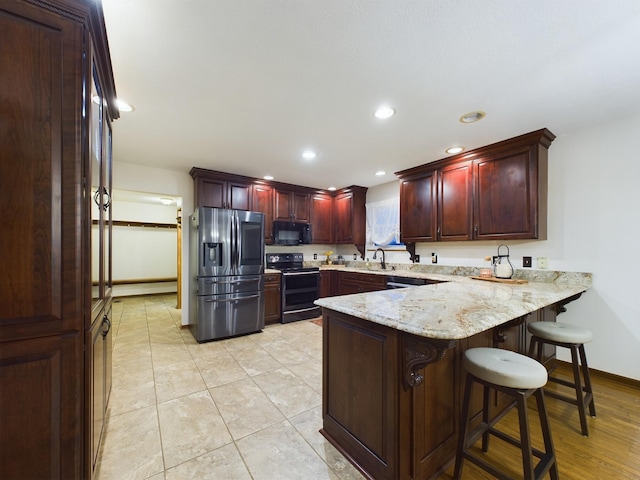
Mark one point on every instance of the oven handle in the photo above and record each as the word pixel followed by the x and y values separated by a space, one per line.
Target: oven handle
pixel 212 300
pixel 291 274
pixel 301 310
pixel 230 282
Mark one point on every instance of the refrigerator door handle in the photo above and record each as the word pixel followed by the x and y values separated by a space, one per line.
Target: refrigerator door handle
pixel 213 300
pixel 238 246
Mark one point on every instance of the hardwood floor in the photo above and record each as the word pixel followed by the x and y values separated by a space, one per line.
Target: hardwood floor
pixel 611 451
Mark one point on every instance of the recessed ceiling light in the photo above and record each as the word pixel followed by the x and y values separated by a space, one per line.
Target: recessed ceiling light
pixel 268 177
pixel 124 106
pixel 454 149
pixel 308 154
pixel 384 112
pixel 472 117
pixel 380 173
pixel 332 189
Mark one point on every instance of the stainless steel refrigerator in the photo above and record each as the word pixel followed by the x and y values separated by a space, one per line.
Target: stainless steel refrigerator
pixel 227 273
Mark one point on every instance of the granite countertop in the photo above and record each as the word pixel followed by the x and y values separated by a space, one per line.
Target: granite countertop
pixel 459 308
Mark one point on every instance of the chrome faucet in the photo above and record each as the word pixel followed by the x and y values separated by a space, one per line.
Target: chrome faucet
pixel 382 262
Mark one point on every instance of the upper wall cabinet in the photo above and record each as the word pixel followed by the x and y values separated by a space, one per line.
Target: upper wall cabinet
pixel 221 190
pixel 335 217
pixel 350 217
pixel 291 205
pixel 322 218
pixel 262 201
pixel 497 192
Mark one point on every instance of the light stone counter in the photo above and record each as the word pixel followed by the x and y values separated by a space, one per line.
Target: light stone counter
pixel 459 308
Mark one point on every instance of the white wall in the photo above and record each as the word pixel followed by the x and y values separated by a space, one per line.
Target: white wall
pixel 593 226
pixel 128 176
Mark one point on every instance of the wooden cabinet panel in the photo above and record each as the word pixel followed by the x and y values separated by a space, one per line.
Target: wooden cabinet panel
pixel 272 299
pixel 40 415
pixel 262 201
pixel 344 232
pixel 301 209
pixel 49 55
pixel 291 206
pixel 322 218
pixel 210 193
pixel 497 192
pixel 455 202
pixel 418 208
pixel 359 391
pixel 328 279
pixel 350 217
pixel 351 282
pixel 221 190
pixel 506 196
pixel 239 195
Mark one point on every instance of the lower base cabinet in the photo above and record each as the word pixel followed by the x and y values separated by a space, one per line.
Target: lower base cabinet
pixel 391 418
pixel 98 381
pixel 272 299
pixel 351 282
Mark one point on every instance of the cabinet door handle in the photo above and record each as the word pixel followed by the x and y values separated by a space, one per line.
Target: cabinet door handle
pixel 105 321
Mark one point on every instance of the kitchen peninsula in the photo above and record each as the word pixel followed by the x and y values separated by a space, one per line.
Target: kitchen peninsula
pixel 392 371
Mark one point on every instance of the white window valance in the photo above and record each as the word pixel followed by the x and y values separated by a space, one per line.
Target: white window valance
pixel 383 223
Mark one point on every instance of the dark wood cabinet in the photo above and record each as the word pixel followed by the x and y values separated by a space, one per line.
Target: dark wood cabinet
pixel 350 217
pixel 328 281
pixel 386 423
pixel 497 192
pixel 418 207
pixel 291 205
pixel 98 379
pixel 322 218
pixel 510 194
pixel 221 190
pixel 58 102
pixel 262 201
pixel 272 298
pixel 335 217
pixel 352 282
pixel 455 202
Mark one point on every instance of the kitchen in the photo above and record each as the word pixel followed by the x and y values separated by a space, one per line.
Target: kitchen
pixel 591 216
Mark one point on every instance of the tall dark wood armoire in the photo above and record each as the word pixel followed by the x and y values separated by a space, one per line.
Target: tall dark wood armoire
pixel 57 102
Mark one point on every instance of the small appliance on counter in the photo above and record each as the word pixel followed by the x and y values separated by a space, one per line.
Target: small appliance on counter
pixel 300 286
pixel 502 266
pixel 227 273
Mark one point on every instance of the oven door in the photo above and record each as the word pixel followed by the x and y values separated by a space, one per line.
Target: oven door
pixel 299 291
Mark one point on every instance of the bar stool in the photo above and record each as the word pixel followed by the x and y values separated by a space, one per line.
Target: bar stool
pixel 520 377
pixel 573 338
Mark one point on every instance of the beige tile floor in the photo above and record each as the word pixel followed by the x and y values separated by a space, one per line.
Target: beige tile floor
pixel 242 408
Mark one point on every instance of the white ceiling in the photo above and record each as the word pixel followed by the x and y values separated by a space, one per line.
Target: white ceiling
pixel 244 86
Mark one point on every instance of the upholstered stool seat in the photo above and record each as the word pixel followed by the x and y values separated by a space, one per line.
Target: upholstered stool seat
pixel 520 377
pixel 573 338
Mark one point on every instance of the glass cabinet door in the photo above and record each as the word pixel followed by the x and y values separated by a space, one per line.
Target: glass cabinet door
pixel 97 194
pixel 107 212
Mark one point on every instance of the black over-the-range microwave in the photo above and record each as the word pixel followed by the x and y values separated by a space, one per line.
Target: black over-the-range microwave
pixel 291 233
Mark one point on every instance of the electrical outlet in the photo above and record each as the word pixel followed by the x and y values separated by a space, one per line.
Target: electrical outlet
pixel 417 258
pixel 315 256
pixel 542 262
pixel 526 262
pixel 434 258
pixel 355 256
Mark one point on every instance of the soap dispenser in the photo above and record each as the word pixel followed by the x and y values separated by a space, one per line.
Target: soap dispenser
pixel 502 266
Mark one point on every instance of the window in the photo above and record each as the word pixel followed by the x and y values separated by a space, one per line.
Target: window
pixel 383 223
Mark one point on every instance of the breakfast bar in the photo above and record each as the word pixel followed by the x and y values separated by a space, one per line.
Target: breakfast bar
pixel 392 371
